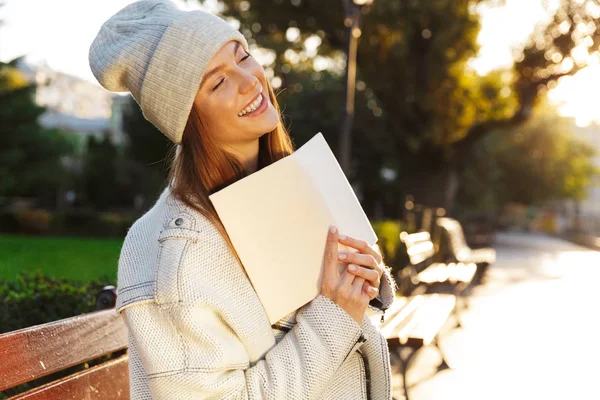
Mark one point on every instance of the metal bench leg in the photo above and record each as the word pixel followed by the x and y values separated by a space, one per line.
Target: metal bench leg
pixel 404 364
pixel 457 312
pixel 444 364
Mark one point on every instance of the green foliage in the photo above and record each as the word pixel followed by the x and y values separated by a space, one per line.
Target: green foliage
pixel 415 96
pixel 30 157
pixel 392 250
pixel 145 154
pixel 34 298
pixel 100 172
pixel 540 161
pixel 388 233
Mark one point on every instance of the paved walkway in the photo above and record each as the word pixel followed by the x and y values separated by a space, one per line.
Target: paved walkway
pixel 533 330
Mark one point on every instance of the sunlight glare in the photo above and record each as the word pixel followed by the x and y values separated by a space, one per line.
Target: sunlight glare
pixel 576 95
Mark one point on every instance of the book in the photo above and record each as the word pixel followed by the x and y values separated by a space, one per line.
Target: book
pixel 277 219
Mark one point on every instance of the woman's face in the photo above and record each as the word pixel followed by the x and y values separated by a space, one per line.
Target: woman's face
pixel 233 100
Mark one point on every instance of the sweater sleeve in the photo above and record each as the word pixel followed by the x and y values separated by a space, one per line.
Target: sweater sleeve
pixel 190 352
pixel 387 291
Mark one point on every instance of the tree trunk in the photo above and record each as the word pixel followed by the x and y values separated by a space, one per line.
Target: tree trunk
pixel 436 188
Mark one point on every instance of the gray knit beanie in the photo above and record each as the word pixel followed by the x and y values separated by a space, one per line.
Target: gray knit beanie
pixel 159 53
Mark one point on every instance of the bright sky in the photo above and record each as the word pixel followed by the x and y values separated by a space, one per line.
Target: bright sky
pixel 60 32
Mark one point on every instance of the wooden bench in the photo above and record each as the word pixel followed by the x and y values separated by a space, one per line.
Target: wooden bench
pixel 429 276
pixel 40 351
pixel 45 350
pixel 412 323
pixel 455 249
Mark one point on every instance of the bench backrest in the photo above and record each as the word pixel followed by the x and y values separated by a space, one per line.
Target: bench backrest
pixel 418 247
pixel 455 246
pixel 34 352
pixel 454 232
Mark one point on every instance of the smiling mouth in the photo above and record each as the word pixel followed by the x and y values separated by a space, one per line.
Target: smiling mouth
pixel 255 106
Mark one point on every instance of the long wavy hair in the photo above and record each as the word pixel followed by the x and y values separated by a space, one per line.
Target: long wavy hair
pixel 199 167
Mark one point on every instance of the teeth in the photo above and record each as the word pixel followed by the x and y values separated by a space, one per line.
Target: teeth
pixel 252 107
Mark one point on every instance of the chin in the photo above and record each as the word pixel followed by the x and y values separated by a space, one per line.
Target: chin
pixel 267 123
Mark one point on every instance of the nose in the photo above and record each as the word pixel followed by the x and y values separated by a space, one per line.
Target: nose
pixel 248 83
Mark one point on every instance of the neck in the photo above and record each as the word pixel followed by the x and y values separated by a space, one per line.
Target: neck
pixel 247 154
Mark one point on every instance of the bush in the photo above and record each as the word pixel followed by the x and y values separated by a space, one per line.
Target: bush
pixel 392 249
pixel 34 298
pixel 82 222
pixel 33 221
pixel 8 222
pixel 113 224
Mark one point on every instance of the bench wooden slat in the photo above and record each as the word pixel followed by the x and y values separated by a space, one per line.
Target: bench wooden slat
pixel 415 237
pixel 457 244
pixel 453 273
pixel 420 252
pixel 37 351
pixel 402 318
pixel 109 380
pixel 415 320
pixel 430 318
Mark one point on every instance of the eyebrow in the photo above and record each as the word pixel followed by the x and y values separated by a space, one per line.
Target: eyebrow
pixel 218 67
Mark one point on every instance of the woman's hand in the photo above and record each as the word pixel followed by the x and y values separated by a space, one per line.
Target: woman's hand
pixel 366 263
pixel 341 286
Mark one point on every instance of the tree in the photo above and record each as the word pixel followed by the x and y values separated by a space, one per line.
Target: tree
pixel 413 57
pixel 30 156
pixel 538 161
pixel 100 173
pixel 145 153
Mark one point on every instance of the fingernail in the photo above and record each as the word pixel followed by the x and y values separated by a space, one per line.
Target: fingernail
pixel 332 229
pixel 352 268
pixel 342 256
pixel 343 237
pixel 372 289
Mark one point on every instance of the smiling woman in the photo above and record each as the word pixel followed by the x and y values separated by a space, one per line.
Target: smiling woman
pixel 233 103
pixel 196 326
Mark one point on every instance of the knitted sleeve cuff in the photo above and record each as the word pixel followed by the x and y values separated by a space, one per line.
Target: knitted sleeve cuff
pixel 387 291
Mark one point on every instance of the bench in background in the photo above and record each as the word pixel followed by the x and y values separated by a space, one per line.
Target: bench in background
pixel 454 247
pixel 429 276
pixel 413 323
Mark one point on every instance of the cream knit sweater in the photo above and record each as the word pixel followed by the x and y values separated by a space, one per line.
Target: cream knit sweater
pixel 197 329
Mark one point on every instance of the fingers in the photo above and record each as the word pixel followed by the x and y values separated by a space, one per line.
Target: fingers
pixel 361 246
pixel 347 279
pixel 357 285
pixel 371 276
pixel 371 291
pixel 330 260
pixel 364 260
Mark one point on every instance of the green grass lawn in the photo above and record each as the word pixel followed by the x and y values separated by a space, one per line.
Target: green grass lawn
pixel 73 258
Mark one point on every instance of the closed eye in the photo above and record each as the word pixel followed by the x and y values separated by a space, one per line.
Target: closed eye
pixel 223 80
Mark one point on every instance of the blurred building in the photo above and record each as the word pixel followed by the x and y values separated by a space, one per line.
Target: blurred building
pixel 74 104
pixel 588 210
pixel 591 134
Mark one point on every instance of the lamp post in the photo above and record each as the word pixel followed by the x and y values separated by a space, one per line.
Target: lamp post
pixel 352 10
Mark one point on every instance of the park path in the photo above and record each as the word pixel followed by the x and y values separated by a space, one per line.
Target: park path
pixel 532 332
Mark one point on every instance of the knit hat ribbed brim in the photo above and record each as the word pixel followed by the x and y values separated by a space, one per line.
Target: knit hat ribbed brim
pixel 159 53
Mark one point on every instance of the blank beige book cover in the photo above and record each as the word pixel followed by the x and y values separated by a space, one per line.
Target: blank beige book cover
pixel 277 219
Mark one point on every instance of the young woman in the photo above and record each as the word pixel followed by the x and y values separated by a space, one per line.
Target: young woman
pixel 197 329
